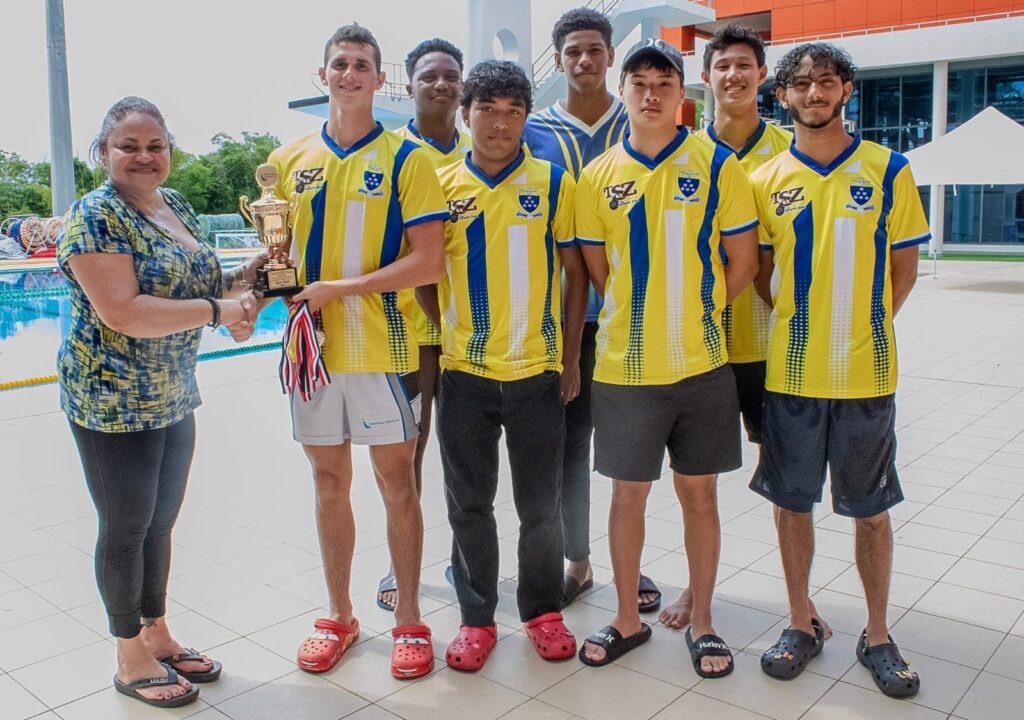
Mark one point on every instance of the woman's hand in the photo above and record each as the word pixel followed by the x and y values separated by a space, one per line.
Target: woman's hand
pixel 243 309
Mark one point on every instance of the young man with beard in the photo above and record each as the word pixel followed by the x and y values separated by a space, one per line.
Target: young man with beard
pixel 434 68
pixel 841 220
pixel 734 67
pixel 653 216
pixel 570 134
pixel 368 223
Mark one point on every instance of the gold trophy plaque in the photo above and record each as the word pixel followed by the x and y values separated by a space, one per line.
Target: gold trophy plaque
pixel 271 217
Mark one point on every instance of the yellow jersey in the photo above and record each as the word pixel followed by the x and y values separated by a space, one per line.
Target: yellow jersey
pixel 426 333
pixel 746 319
pixel 660 221
pixel 500 298
pixel 353 206
pixel 832 230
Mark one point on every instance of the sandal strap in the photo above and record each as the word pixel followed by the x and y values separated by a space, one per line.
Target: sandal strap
pixel 709 646
pixel 329 626
pixel 545 619
pixel 411 632
pixel 170 679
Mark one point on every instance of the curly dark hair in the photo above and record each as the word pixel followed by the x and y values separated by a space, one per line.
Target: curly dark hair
pixel 492 79
pixel 353 33
pixel 823 55
pixel 577 19
pixel 428 46
pixel 733 34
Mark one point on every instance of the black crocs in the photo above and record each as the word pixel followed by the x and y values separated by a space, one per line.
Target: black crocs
pixel 891 672
pixel 795 649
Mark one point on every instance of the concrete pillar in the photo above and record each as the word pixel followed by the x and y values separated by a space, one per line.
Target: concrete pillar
pixel 937 204
pixel 503 24
pixel 709 106
pixel 62 170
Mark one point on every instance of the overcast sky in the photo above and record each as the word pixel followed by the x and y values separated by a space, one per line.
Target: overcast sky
pixel 210 65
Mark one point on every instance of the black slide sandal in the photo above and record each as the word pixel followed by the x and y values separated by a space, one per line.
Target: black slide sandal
pixel 708 646
pixel 615 646
pixel 571 589
pixel 647 586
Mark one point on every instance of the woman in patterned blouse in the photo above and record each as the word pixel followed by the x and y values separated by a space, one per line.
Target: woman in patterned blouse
pixel 143 282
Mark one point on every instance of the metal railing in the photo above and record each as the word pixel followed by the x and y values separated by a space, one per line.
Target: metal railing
pixel 544 64
pixel 394 85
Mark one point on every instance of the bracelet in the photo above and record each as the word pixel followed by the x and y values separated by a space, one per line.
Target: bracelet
pixel 215 322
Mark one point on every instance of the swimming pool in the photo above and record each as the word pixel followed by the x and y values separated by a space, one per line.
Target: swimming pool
pixel 35 313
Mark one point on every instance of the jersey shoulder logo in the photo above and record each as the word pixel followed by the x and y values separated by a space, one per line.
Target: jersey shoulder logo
pixel 311 179
pixel 462 209
pixel 619 194
pixel 786 200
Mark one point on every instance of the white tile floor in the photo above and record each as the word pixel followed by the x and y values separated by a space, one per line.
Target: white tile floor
pixel 246 580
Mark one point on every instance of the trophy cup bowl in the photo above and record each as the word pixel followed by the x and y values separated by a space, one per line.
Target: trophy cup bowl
pixel 271 217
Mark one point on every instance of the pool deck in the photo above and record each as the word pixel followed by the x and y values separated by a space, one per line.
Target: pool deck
pixel 246 580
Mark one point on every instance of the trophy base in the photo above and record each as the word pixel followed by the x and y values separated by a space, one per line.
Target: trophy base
pixel 277 282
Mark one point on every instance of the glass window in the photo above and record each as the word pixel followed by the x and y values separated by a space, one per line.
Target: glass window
pixel 1005 91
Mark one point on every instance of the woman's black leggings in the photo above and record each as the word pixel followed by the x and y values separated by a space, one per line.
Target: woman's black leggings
pixel 137 482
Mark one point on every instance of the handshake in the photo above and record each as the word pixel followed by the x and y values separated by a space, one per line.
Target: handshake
pixel 238 313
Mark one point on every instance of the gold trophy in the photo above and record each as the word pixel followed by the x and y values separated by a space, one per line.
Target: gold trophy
pixel 271 217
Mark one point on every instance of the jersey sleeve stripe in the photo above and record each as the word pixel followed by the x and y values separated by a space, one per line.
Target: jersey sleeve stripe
pixel 420 219
pixel 766 247
pixel 910 242
pixel 750 225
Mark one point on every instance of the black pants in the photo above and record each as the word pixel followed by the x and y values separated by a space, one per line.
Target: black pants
pixel 137 482
pixel 471 414
pixel 579 427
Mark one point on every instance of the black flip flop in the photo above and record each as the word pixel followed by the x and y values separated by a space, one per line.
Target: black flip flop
pixel 132 690
pixel 388 583
pixel 891 672
pixel 647 586
pixel 615 646
pixel 789 657
pixel 193 655
pixel 571 589
pixel 708 646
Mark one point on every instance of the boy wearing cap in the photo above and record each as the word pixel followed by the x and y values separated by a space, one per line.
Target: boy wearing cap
pixel 653 216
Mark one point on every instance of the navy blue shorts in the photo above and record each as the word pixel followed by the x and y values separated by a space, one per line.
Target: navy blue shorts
pixel 854 439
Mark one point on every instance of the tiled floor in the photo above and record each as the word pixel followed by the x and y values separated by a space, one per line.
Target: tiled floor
pixel 246 578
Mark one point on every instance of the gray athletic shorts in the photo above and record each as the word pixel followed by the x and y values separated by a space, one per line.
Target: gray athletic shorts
pixel 694 419
pixel 366 408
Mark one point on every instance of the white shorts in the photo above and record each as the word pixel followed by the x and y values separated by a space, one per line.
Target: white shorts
pixel 366 408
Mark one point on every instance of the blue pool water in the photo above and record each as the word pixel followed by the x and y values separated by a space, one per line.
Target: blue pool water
pixel 35 313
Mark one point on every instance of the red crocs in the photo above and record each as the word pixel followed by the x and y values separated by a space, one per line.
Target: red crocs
pixel 323 649
pixel 412 655
pixel 471 647
pixel 551 637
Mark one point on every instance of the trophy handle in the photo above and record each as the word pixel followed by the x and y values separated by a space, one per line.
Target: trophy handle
pixel 244 209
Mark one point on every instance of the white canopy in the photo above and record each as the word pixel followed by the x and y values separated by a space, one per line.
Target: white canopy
pixel 988 149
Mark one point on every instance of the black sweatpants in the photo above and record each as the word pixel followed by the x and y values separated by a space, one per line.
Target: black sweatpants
pixel 579 428
pixel 472 412
pixel 137 482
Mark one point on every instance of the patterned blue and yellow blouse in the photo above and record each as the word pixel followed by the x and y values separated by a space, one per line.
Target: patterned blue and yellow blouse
pixel 109 381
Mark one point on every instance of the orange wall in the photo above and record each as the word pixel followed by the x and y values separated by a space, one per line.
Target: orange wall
pixel 796 18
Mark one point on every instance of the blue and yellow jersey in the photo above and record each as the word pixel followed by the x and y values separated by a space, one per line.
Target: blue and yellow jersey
pixel 426 333
pixel 660 222
pixel 832 230
pixel 746 320
pixel 500 296
pixel 353 207
pixel 556 136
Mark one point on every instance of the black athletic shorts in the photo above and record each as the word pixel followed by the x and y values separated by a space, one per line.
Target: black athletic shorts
pixel 694 418
pixel 854 439
pixel 750 389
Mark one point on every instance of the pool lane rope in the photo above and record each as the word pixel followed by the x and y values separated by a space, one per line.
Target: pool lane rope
pixel 211 355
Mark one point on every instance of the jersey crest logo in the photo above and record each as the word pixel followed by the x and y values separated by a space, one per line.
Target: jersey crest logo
pixel 619 194
pixel 462 209
pixel 373 178
pixel 529 201
pixel 689 183
pixel 785 200
pixel 312 178
pixel 861 192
